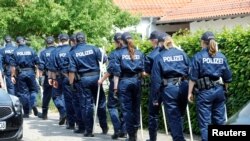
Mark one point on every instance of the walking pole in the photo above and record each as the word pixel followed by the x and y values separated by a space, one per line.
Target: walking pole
pixel 189 124
pixel 98 92
pixel 164 118
pixel 142 136
pixel 226 112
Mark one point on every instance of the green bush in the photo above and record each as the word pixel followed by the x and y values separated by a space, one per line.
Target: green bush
pixel 235 44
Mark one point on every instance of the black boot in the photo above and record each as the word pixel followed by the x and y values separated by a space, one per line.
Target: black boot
pixel 43 115
pixel 35 111
pixel 62 120
pixel 115 135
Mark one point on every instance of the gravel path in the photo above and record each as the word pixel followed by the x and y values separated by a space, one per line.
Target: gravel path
pixel 48 130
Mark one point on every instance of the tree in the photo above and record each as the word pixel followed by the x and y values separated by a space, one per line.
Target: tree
pixel 96 18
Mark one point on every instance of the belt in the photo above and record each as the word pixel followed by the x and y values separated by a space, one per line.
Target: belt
pixel 26 69
pixel 173 80
pixel 84 74
pixel 130 75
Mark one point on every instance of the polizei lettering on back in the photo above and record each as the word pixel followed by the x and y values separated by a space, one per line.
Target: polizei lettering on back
pixel 127 57
pixel 9 51
pixel 47 54
pixel 24 53
pixel 62 55
pixel 173 58
pixel 85 53
pixel 212 60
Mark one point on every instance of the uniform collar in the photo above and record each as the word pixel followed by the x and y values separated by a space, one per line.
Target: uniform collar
pixel 81 44
pixel 51 47
pixel 22 46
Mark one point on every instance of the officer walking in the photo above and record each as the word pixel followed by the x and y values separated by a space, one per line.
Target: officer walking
pixel 56 83
pixel 168 81
pixel 113 102
pixel 129 64
pixel 48 90
pixel 208 66
pixel 76 96
pixel 7 52
pixel 153 109
pixel 23 64
pixel 61 61
pixel 85 70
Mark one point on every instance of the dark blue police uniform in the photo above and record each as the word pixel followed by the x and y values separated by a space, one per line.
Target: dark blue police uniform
pixel 48 90
pixel 113 102
pixel 129 87
pixel 170 68
pixel 85 63
pixel 62 65
pixel 7 52
pixel 210 100
pixel 24 60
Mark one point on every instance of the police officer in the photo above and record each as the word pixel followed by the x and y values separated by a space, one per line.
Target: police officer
pixel 129 64
pixel 76 97
pixel 43 80
pixel 56 83
pixel 113 102
pixel 6 52
pixel 24 61
pixel 61 63
pixel 208 66
pixel 85 68
pixel 168 80
pixel 153 109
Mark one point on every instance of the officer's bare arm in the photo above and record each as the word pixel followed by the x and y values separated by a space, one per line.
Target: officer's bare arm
pixel 106 75
pixel 116 81
pixel 13 71
pixel 1 80
pixel 190 90
pixel 71 77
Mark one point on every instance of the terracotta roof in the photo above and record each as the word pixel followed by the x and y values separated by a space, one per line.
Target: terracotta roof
pixel 150 8
pixel 207 9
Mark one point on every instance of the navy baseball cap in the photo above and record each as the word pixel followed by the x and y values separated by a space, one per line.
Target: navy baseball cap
pixel 50 40
pixel 126 35
pixel 19 39
pixel 80 35
pixel 7 38
pixel 207 36
pixel 154 35
pixel 118 36
pixel 64 36
pixel 73 37
pixel 162 37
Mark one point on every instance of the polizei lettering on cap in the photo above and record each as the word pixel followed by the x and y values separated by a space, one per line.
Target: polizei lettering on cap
pixel 85 53
pixel 127 57
pixel 212 60
pixel 173 58
pixel 23 53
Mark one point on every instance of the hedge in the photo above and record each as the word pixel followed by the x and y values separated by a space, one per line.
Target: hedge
pixel 235 44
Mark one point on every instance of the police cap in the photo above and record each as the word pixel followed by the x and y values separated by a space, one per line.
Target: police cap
pixel 207 36
pixel 118 36
pixel 154 35
pixel 19 39
pixel 162 37
pixel 73 37
pixel 7 38
pixel 126 35
pixel 50 40
pixel 63 37
pixel 80 36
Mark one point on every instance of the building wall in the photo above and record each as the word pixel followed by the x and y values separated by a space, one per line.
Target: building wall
pixel 170 28
pixel 218 25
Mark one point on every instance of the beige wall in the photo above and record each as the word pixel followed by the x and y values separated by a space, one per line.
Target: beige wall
pixel 218 25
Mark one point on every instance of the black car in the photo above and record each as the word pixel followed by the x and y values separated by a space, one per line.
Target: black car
pixel 242 117
pixel 11 118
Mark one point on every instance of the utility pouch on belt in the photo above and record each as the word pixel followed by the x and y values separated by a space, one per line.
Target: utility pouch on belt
pixel 206 83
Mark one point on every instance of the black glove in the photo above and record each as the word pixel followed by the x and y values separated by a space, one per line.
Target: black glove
pixel 72 88
pixel 41 80
pixel 115 94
